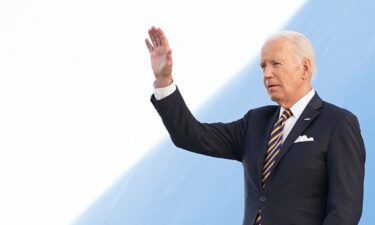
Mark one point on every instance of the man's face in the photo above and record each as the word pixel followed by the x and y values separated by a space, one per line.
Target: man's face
pixel 282 71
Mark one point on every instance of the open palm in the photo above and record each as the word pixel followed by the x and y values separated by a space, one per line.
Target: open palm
pixel 160 55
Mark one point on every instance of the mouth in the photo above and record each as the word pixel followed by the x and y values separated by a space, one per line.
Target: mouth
pixel 273 86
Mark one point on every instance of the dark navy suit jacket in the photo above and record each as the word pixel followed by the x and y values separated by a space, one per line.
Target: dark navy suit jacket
pixel 318 182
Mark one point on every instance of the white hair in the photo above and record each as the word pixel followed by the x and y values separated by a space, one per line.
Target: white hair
pixel 302 45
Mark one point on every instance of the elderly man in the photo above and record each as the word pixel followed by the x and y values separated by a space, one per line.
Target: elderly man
pixel 303 159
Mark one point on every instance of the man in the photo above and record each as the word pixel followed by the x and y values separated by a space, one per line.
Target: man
pixel 303 159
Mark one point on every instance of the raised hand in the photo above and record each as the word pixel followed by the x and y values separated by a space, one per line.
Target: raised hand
pixel 161 57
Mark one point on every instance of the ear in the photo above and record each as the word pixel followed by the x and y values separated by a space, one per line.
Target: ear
pixel 307 68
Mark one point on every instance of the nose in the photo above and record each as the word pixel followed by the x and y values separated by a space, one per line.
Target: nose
pixel 267 73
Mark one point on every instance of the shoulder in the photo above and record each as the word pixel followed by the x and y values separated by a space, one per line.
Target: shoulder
pixel 338 117
pixel 264 111
pixel 335 113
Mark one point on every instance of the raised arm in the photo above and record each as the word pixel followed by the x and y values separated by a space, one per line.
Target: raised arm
pixel 222 140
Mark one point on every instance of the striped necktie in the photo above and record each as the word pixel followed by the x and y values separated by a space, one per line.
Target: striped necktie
pixel 274 146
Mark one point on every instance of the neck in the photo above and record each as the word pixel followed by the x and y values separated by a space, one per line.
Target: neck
pixel 287 104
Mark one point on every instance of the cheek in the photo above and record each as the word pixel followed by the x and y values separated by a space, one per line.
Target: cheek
pixel 292 85
pixel 290 80
pixel 264 82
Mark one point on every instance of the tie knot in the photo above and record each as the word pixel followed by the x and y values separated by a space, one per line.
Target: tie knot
pixel 286 114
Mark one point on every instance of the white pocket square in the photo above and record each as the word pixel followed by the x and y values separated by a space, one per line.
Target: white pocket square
pixel 303 138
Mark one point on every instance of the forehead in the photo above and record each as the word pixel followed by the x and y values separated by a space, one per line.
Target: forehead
pixel 276 49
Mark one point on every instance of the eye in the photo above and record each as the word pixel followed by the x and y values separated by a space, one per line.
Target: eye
pixel 276 63
pixel 262 65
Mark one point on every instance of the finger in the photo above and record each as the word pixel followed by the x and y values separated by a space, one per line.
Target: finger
pixel 163 38
pixel 151 33
pixel 158 37
pixel 152 38
pixel 149 46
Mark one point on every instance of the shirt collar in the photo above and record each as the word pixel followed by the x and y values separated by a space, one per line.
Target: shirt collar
pixel 300 105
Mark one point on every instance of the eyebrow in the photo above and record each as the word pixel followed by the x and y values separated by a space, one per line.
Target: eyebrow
pixel 272 61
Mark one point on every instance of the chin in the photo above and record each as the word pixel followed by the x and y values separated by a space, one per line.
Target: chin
pixel 274 98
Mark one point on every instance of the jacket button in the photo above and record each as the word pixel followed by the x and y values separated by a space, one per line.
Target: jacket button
pixel 263 199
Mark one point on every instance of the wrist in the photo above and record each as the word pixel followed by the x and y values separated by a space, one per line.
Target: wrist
pixel 160 83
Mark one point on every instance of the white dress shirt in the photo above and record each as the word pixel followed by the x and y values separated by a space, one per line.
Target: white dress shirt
pixel 161 93
pixel 296 109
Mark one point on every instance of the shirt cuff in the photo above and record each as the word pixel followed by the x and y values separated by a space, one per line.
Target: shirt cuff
pixel 164 92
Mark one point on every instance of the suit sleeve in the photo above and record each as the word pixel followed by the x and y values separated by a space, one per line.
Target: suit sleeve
pixel 345 165
pixel 223 140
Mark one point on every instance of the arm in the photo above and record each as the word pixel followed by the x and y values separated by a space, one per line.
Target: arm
pixel 345 165
pixel 218 139
pixel 222 140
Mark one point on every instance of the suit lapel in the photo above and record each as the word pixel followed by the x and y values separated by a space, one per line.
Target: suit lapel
pixel 311 112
